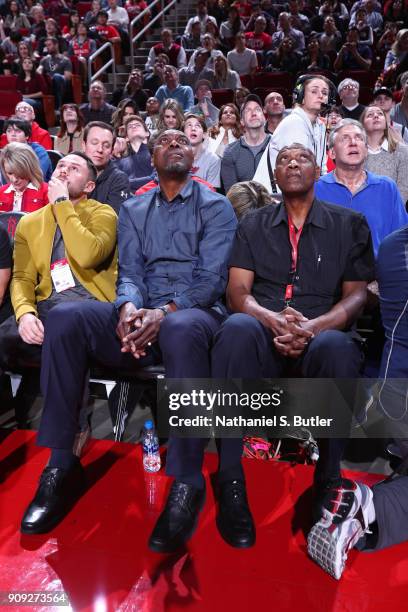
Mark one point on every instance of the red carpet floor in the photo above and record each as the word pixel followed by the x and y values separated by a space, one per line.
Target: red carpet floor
pixel 98 554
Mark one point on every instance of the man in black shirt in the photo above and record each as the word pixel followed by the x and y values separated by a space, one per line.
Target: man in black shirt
pixel 298 280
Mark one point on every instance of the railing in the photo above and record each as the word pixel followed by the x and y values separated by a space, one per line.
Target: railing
pixel 134 39
pixel 105 67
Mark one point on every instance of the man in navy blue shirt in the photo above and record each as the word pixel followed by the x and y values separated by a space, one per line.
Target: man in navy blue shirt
pixel 174 243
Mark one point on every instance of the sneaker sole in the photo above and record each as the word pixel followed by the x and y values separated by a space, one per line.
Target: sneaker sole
pixel 324 547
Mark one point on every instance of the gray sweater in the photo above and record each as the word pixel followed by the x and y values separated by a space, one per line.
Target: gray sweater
pixel 394 165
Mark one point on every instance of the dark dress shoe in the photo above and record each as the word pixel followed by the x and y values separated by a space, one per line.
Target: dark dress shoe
pixel 234 520
pixel 57 493
pixel 178 520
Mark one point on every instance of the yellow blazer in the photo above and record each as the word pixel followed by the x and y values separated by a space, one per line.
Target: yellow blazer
pixel 89 234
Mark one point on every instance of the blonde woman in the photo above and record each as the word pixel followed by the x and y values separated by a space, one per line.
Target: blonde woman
pixel 25 190
pixel 386 155
pixel 248 195
pixel 171 116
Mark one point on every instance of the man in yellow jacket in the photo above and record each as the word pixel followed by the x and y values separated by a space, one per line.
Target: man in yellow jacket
pixel 64 251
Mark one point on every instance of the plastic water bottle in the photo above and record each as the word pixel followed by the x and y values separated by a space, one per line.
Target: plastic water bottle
pixel 150 444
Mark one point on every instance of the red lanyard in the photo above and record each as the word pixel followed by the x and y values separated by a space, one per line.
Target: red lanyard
pixel 294 237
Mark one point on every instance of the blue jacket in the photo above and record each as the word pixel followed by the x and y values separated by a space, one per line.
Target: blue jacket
pixel 138 167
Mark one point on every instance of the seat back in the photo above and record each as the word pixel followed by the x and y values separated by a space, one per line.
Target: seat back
pixel 9 221
pixel 54 156
pixel 8 101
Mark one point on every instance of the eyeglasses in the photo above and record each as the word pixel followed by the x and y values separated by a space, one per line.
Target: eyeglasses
pixel 350 87
pixel 348 139
pixel 24 109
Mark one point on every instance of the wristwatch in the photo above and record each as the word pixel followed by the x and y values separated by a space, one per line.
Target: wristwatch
pixel 163 309
pixel 61 199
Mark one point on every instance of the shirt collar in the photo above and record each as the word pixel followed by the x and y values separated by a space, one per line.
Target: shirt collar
pixel 181 197
pixel 384 146
pixel 315 216
pixel 10 188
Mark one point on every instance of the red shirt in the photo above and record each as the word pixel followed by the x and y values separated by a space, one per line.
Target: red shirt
pixel 38 135
pixel 107 31
pixel 32 200
pixel 258 42
pixel 152 184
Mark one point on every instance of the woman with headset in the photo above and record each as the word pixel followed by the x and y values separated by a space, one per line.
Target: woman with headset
pixel 312 95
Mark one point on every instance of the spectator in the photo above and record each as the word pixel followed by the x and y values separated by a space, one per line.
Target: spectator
pixel 19 130
pixel 111 185
pixel 170 116
pixel 106 31
pixel 6 262
pixel 152 113
pixel 172 89
pixel 359 21
pixel 91 16
pixel 192 40
pixel 97 109
pixel 398 53
pixel 230 28
pixel 313 59
pixel 274 110
pixel 331 38
pixel 204 106
pixel 400 112
pixel 25 111
pixel 298 20
pixel 82 47
pixel 31 85
pixel 70 30
pixel 226 131
pixel 395 11
pixel 52 31
pixel 239 96
pixel 191 74
pixel 58 68
pixel 386 156
pixel 15 20
pixel 333 118
pixel 135 7
pixel 212 28
pixel 223 77
pixel 9 43
pixel 175 53
pixel 25 190
pixel 285 57
pixel 206 165
pixel 24 51
pixel 353 55
pixel 136 163
pixel 38 22
pixel 303 126
pixel 202 18
pixel 209 46
pixel 247 196
pixel 259 40
pixel 350 185
pixel 348 91
pixel 285 313
pixel 284 30
pixel 153 80
pixel 374 18
pixel 258 11
pixel 70 135
pixel 388 37
pixel 132 89
pixel 241 59
pixel 126 108
pixel 117 15
pixel 241 158
pixel 383 98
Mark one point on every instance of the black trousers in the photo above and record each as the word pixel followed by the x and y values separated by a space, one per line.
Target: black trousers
pixel 243 348
pixel 75 337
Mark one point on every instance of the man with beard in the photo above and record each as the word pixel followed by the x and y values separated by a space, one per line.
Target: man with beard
pixel 274 109
pixel 174 242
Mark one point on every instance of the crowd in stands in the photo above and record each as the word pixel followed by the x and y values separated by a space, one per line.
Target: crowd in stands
pixel 248 90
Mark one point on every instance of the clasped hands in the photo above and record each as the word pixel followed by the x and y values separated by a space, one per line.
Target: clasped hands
pixel 138 328
pixel 292 331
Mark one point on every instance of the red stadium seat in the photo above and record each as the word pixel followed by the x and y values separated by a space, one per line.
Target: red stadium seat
pixel 83 8
pixel 222 96
pixel 274 79
pixel 8 101
pixel 366 78
pixel 8 82
pixel 247 81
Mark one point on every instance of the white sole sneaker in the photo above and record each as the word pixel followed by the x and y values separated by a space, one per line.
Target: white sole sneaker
pixel 328 543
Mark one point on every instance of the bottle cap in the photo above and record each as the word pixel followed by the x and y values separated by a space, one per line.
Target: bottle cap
pixel 148 424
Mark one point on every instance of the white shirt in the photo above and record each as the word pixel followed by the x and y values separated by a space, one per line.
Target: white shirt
pixel 118 17
pixel 244 62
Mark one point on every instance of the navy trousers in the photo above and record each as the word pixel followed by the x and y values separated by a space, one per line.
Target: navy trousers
pixel 243 348
pixel 77 336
